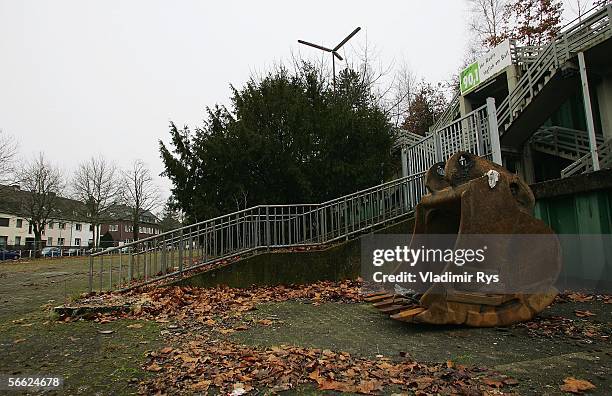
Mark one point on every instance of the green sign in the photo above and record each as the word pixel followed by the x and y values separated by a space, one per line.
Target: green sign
pixel 469 78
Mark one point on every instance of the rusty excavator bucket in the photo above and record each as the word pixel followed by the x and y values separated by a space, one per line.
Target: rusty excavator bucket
pixel 470 197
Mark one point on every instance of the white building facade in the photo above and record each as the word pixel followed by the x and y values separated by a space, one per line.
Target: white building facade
pixel 17 233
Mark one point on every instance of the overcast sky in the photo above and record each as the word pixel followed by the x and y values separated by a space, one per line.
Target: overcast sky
pixel 81 78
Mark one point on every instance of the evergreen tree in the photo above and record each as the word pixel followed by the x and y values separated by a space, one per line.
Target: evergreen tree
pixel 286 138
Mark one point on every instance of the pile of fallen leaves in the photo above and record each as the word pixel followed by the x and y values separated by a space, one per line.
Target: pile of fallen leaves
pixel 578 327
pixel 219 307
pixel 192 302
pixel 203 362
pixel 561 326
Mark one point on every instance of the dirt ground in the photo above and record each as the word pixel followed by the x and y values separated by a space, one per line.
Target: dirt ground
pixel 540 354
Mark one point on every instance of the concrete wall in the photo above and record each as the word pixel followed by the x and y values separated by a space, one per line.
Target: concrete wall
pixel 338 262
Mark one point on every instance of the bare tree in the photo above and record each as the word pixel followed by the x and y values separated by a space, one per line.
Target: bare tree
pixel 397 101
pixel 95 183
pixel 139 193
pixel 579 7
pixel 488 21
pixel 8 156
pixel 43 182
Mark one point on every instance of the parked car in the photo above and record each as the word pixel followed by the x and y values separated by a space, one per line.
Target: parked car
pixel 127 249
pixel 51 252
pixel 9 254
pixel 71 252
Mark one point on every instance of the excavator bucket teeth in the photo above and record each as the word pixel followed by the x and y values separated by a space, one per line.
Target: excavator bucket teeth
pixel 390 301
pixel 467 196
pixel 379 297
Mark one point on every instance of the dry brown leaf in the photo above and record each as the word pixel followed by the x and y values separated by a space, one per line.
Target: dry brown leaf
pixel 337 386
pixel 166 350
pixel 135 326
pixel 575 385
pixel 496 383
pixel 368 387
pixel 583 314
pixel 510 381
pixel 154 367
pixel 579 297
pixel 201 386
pixel 19 340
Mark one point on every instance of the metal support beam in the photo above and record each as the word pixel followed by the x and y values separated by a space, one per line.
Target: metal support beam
pixel 494 131
pixel 404 162
pixel 588 111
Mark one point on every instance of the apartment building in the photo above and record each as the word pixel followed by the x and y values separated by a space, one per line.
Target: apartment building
pixel 119 226
pixel 64 229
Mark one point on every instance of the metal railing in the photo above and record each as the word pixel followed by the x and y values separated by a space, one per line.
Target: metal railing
pixel 585 163
pixel 563 142
pixel 251 230
pixel 526 55
pixel 476 132
pixel 581 34
pixel 405 138
pixel 451 112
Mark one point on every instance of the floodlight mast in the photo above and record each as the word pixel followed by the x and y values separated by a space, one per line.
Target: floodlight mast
pixel 333 51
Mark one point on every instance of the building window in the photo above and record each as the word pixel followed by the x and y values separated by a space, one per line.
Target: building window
pixel 49 241
pixel 79 227
pixel 29 228
pixel 91 227
pixel 17 241
pixel 4 222
pixel 19 223
pixel 77 241
pixel 61 226
pixel 113 227
pixel 50 225
pixel 60 241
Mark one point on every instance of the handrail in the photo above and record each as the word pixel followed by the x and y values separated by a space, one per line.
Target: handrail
pixel 594 24
pixel 585 164
pixel 249 230
pixel 449 114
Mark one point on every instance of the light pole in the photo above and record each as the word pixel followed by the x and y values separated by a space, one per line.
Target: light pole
pixel 334 51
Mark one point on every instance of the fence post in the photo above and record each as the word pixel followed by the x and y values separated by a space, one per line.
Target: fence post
pixel 404 161
pixel 494 131
pixel 91 265
pixel 268 227
pixel 180 252
pixel 437 146
pixel 131 267
pixel 346 225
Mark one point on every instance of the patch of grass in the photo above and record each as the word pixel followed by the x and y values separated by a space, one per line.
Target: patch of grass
pixel 87 359
pixel 32 341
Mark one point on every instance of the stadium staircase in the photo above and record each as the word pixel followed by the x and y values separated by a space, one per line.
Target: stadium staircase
pixel 548 71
